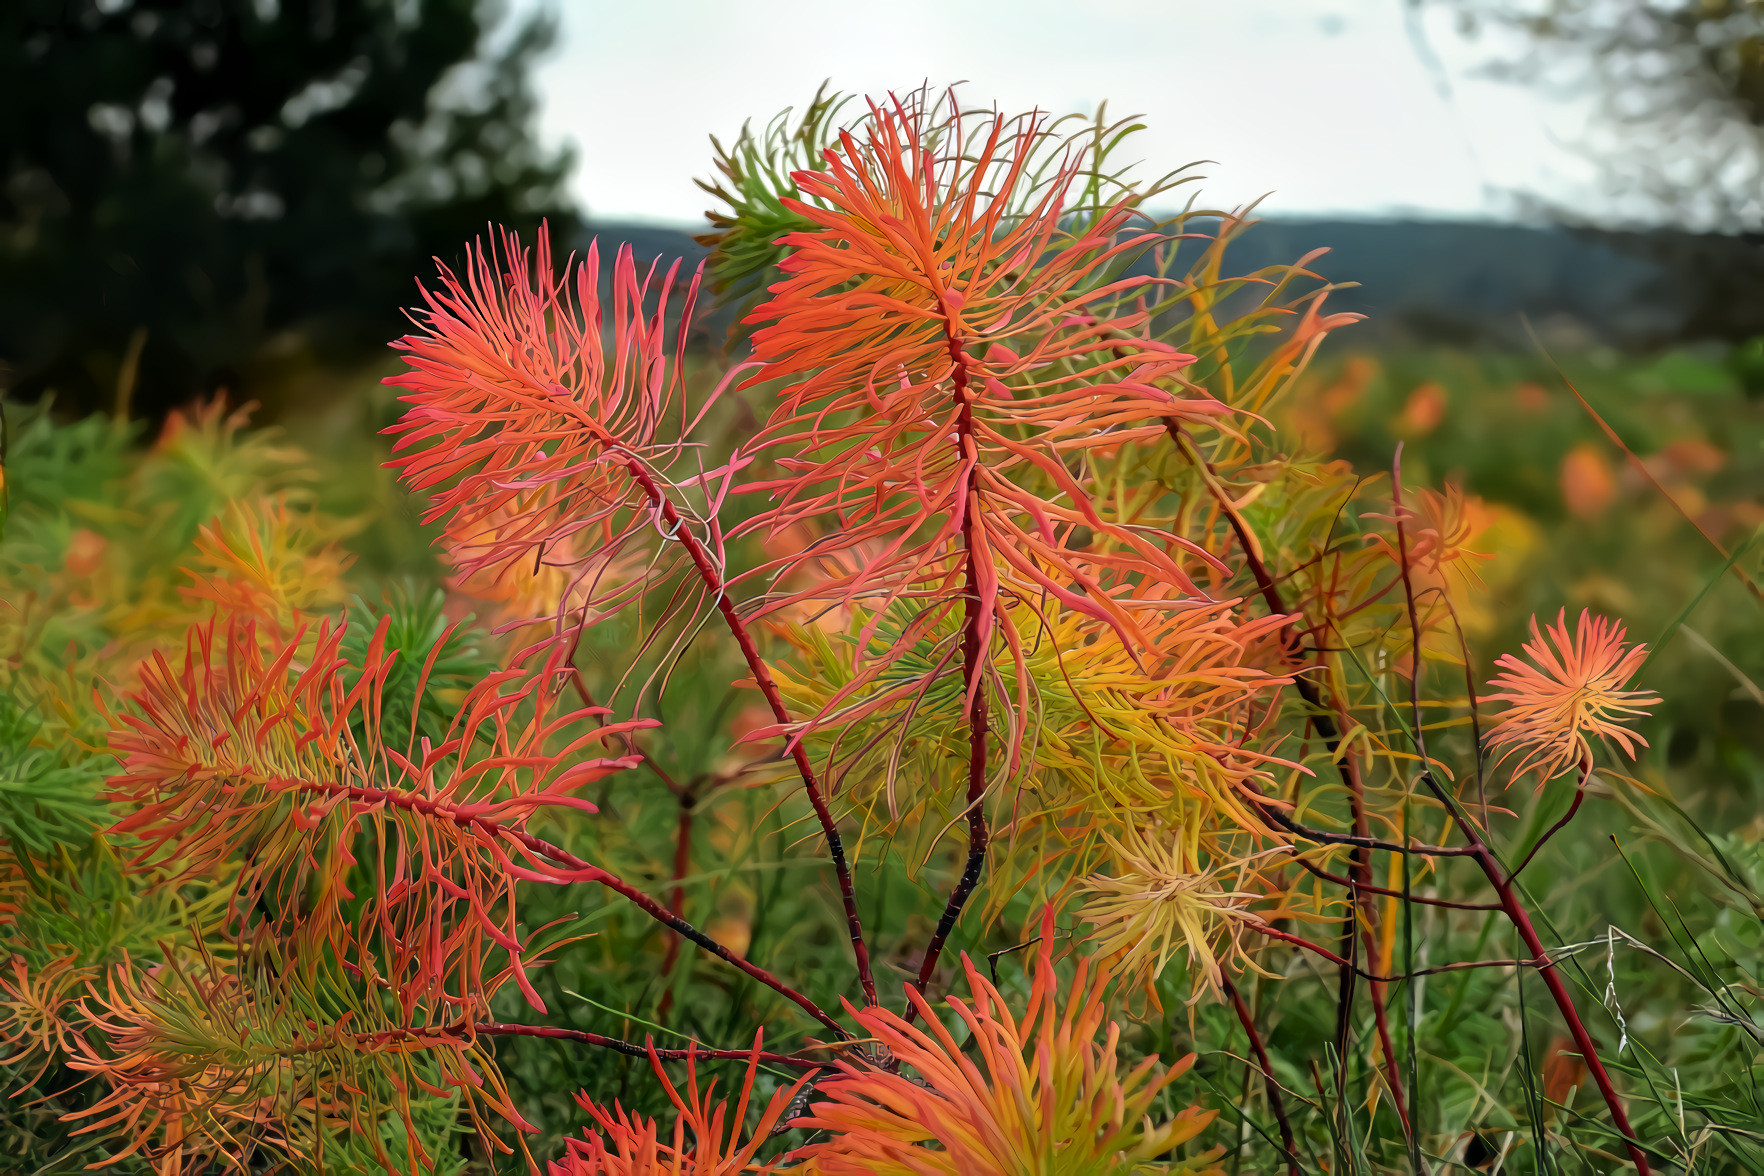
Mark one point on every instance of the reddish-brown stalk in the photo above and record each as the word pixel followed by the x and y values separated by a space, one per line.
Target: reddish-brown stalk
pixel 1318 871
pixel 1363 919
pixel 1276 1102
pixel 1267 807
pixel 579 870
pixel 1359 858
pixel 677 898
pixel 1573 808
pixel 1491 867
pixel 1317 949
pixel 973 653
pixel 682 831
pixel 712 576
pixel 631 1049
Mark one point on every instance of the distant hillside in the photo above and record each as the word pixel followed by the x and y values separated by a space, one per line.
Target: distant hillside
pixel 1467 283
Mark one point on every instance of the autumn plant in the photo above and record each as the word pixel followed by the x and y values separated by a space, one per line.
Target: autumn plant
pixel 1030 612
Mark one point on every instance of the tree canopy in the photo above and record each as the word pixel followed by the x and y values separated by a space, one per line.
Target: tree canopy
pixel 1680 92
pixel 187 181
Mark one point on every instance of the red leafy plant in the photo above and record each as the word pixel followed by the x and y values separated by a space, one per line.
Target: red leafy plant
pixel 1041 1093
pixel 1029 590
pixel 706 1137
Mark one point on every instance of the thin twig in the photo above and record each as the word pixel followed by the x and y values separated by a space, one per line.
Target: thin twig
pixel 1341 961
pixel 1266 807
pixel 579 870
pixel 632 1049
pixel 1385 891
pixel 1276 1102
pixel 1331 733
pixel 688 801
pixel 1579 795
pixel 768 688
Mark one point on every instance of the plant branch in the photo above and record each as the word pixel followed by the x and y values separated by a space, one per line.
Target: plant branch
pixel 1339 880
pixel 1579 796
pixel 1491 867
pixel 1276 1102
pixel 1330 731
pixel 1322 952
pixel 1265 806
pixel 1362 917
pixel 973 659
pixel 631 1049
pixel 768 688
pixel 688 801
pixel 580 870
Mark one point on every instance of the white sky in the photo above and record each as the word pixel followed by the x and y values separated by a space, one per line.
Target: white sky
pixel 1327 104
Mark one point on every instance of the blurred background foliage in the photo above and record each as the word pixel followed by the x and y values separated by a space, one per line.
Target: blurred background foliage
pixel 1577 522
pixel 204 193
pixel 1680 92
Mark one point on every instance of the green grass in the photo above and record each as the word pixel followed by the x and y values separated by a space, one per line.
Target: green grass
pixel 1653 898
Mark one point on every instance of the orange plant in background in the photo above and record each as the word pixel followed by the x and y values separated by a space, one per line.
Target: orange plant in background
pixel 1027 591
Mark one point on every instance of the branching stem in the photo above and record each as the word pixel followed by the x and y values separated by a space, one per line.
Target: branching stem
pixel 1385 891
pixel 1319 950
pixel 585 872
pixel 768 688
pixel 1331 733
pixel 632 1049
pixel 688 800
pixel 1573 808
pixel 1491 866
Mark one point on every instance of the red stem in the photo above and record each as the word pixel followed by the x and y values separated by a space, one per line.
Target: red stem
pixel 661 914
pixel 1381 1019
pixel 1264 806
pixel 762 678
pixel 1491 867
pixel 1579 795
pixel 584 872
pixel 973 656
pixel 1318 949
pixel 1451 904
pixel 1276 1103
pixel 1330 731
pixel 1362 877
pixel 677 899
pixel 977 830
pixel 631 1049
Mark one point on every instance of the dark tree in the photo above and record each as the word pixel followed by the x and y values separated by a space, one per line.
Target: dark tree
pixel 188 180
pixel 1680 87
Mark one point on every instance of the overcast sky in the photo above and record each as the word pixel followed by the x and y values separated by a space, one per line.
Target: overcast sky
pixel 1331 106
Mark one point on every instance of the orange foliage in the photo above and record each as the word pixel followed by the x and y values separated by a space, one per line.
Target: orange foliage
pixel 1588 484
pixel 706 1136
pixel 1039 1094
pixel 1573 691
pixel 248 754
pixel 942 348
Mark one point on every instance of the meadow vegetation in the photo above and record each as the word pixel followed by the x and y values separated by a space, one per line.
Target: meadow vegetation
pixel 1015 706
